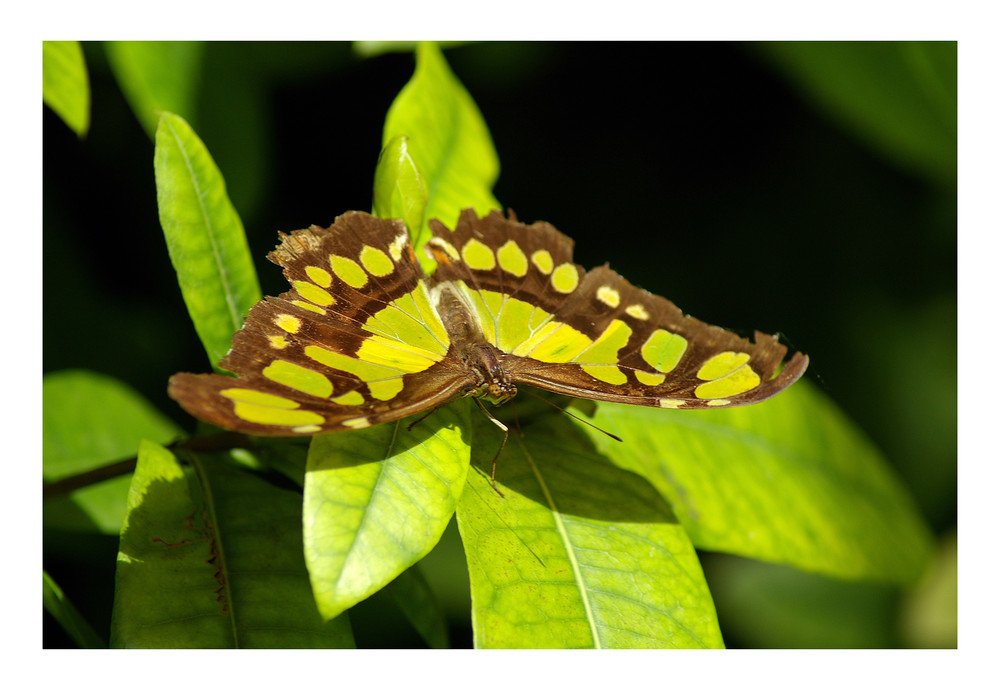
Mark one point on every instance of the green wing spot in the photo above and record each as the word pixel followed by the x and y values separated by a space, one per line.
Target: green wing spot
pixel 512 259
pixel 298 377
pixel 565 278
pixel 605 349
pixel 648 379
pixel 376 262
pixel 395 354
pixel 514 325
pixel 319 276
pixel 663 350
pixel 263 408
pixel 606 372
pixel 352 398
pixel 386 389
pixel 313 293
pixel 721 364
pixel 258 398
pixel 348 271
pixel 731 375
pixel 600 360
pixel 477 255
pixel 542 260
pixel 259 414
pixel 384 382
pixel 366 371
pixel 556 343
pixel 412 321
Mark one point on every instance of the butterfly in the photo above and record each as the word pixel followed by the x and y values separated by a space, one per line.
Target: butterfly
pixel 365 336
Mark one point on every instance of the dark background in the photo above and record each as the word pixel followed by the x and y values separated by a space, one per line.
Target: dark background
pixel 806 189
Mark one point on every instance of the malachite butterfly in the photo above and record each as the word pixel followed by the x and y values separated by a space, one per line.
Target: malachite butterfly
pixel 366 337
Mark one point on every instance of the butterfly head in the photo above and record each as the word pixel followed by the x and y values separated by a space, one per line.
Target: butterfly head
pixel 492 381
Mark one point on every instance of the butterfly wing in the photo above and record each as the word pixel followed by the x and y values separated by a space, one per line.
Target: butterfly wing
pixel 593 334
pixel 355 342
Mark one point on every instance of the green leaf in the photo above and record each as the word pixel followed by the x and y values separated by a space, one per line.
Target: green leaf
pixel 899 96
pixel 377 500
pixel 204 234
pixel 400 191
pixel 157 76
pixel 578 553
pixel 414 596
pixel 65 88
pixel 778 607
pixel 447 139
pixel 790 480
pixel 69 618
pixel 90 420
pixel 211 557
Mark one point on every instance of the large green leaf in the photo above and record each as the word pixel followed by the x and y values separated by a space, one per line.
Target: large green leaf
pixel 204 234
pixel 790 480
pixel 377 500
pixel 157 76
pixel 65 88
pixel 90 420
pixel 447 140
pixel 578 553
pixel 211 557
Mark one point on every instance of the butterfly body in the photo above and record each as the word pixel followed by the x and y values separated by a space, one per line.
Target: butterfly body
pixel 366 337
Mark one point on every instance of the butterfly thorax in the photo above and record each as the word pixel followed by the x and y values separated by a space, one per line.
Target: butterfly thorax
pixel 481 361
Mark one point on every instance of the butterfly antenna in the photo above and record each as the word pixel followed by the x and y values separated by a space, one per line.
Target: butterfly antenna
pixel 579 419
pixel 506 432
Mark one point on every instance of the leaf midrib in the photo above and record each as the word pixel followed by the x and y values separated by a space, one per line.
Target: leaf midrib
pixel 206 217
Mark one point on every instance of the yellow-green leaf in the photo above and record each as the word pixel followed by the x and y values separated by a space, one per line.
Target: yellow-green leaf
pixel 204 234
pixel 578 553
pixel 65 88
pixel 377 501
pixel 789 480
pixel 400 191
pixel 447 140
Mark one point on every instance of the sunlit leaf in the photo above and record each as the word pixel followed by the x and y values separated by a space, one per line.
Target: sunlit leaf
pixel 578 553
pixel 65 88
pixel 790 480
pixel 204 234
pixel 400 191
pixel 447 140
pixel 377 500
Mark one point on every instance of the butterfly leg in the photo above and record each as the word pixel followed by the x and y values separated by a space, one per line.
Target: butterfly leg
pixel 506 432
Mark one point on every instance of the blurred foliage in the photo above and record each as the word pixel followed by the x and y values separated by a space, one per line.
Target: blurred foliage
pixel 809 187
